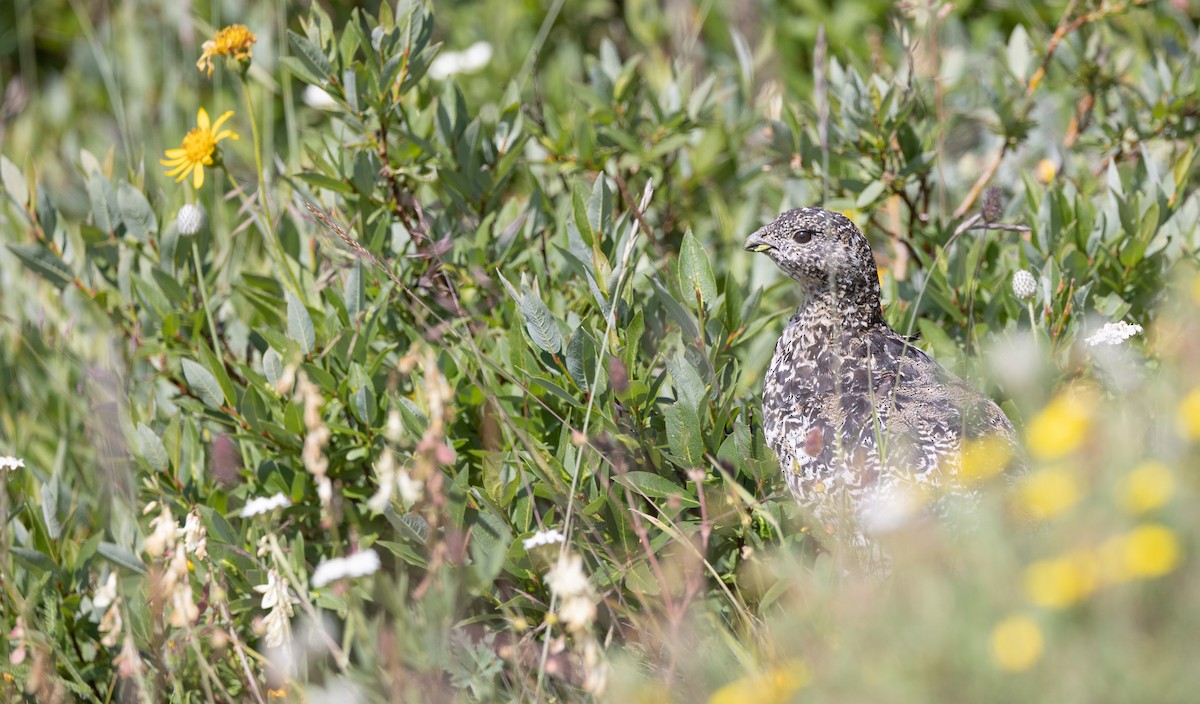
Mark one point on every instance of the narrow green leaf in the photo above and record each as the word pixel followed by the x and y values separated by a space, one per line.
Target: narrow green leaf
pixel 695 274
pixel 355 293
pixel 311 55
pixel 50 508
pixel 122 557
pixel 300 325
pixel 44 262
pixel 272 366
pixel 34 559
pixel 105 212
pixel 203 384
pixel 14 181
pixel 656 487
pixel 683 434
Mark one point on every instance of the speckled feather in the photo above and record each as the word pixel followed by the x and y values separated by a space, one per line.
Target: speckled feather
pixel 857 415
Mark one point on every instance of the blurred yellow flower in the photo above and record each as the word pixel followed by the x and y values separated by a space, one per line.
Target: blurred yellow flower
pixel 234 40
pixel 1061 427
pixel 1048 492
pixel 198 148
pixel 983 458
pixel 1063 581
pixel 774 687
pixel 1188 419
pixel 1017 643
pixel 1146 487
pixel 1045 171
pixel 1150 550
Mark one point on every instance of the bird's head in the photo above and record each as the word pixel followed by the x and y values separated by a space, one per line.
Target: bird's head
pixel 820 249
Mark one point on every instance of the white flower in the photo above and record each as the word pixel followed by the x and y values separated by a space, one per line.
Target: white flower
pixel 11 463
pixel 264 504
pixel 165 532
pixel 315 97
pixel 411 490
pixel 359 564
pixel 106 593
pixel 449 63
pixel 1114 334
pixel 543 537
pixel 195 536
pixel 566 577
pixel 577 612
pixel 188 220
pixel 1023 284
pixel 277 600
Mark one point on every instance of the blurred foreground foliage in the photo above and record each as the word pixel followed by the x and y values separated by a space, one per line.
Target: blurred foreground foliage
pixel 537 318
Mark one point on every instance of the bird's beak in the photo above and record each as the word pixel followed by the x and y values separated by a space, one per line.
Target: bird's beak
pixel 757 243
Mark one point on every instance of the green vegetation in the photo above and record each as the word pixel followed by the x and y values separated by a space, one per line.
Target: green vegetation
pixel 323 443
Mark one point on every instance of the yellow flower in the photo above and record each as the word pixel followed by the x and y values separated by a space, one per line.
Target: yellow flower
pixel 774 687
pixel 1189 415
pixel 198 148
pixel 1150 550
pixel 277 693
pixel 235 40
pixel 1017 643
pixel 1048 492
pixel 983 458
pixel 1045 171
pixel 1064 581
pixel 1146 487
pixel 1061 427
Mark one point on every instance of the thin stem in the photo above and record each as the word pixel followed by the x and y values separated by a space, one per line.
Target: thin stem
pixel 212 326
pixel 269 227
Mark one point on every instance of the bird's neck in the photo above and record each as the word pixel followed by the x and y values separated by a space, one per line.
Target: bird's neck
pixel 839 310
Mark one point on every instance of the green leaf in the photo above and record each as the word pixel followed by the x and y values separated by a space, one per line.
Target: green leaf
pixel 14 182
pixel 689 387
pixel 355 293
pixel 36 560
pixel 122 557
pixel 656 486
pixel 151 448
pixel 311 55
pixel 203 384
pixel 695 274
pixel 136 213
pixel 869 194
pixel 272 366
pixel 300 325
pixel 105 211
pixel 45 262
pixel 683 434
pixel 50 508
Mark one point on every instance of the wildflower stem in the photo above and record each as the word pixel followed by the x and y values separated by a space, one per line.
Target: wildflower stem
pixel 212 326
pixel 269 227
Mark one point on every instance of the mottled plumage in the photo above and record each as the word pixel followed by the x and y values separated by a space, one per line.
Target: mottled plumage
pixel 863 422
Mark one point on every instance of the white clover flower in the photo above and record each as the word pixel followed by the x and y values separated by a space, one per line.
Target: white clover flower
pixel 11 463
pixel 1114 334
pixel 544 537
pixel 195 536
pixel 315 97
pixel 470 60
pixel 1023 284
pixel 264 504
pixel 360 564
pixel 188 220
pixel 566 577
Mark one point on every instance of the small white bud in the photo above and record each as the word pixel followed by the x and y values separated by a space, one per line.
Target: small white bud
pixel 189 220
pixel 1023 284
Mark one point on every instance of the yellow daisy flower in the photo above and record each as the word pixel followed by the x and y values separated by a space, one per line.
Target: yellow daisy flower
pixel 234 40
pixel 198 148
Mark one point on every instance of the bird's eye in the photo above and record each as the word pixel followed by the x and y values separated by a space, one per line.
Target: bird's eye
pixel 802 236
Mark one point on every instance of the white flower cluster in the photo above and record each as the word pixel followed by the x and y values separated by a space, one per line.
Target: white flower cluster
pixel 360 564
pixel 449 63
pixel 188 220
pixel 1114 334
pixel 11 463
pixel 1023 284
pixel 544 537
pixel 277 600
pixel 264 504
pixel 577 601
